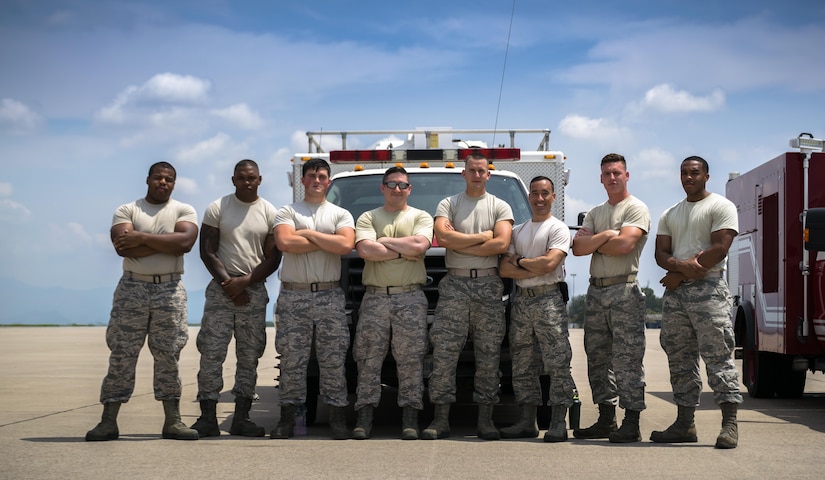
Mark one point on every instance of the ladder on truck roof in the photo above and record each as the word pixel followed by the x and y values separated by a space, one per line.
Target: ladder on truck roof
pixel 315 145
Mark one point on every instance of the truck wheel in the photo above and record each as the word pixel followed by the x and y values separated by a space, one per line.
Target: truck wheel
pixel 789 382
pixel 759 373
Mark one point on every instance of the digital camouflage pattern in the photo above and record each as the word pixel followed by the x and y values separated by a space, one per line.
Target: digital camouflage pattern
pixel 141 309
pixel 696 320
pixel 398 320
pixel 467 306
pixel 222 318
pixel 614 339
pixel 540 322
pixel 299 312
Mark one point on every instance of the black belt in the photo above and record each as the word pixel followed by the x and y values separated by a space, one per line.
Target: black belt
pixel 610 281
pixel 162 278
pixel 311 287
pixel 537 290
pixel 393 290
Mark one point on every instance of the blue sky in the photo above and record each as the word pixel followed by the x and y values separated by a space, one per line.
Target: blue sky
pixel 92 93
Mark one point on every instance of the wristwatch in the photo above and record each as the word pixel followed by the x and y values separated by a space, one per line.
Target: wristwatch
pixel 518 261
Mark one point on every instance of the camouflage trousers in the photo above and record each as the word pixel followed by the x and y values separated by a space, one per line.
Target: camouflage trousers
pixel 221 320
pixel 614 340
pixel 696 320
pixel 299 315
pixel 399 321
pixel 141 309
pixel 538 335
pixel 467 306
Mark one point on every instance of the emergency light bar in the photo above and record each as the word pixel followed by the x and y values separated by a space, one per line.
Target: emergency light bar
pixel 806 143
pixel 423 155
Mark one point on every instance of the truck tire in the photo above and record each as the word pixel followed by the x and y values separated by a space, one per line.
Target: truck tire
pixel 758 371
pixel 790 383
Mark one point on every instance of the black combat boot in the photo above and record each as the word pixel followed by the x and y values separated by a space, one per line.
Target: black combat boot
pixel 629 431
pixel 338 423
pixel 683 430
pixel 107 428
pixel 604 426
pixel 286 424
pixel 526 427
pixel 207 423
pixel 241 424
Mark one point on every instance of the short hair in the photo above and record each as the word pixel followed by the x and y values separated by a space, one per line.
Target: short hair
pixel 394 169
pixel 163 165
pixel 542 177
pixel 246 163
pixel 696 158
pixel 475 156
pixel 613 158
pixel 314 164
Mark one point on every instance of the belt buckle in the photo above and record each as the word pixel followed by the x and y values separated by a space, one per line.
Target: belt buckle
pixel 313 287
pixel 473 273
pixel 156 279
pixel 530 292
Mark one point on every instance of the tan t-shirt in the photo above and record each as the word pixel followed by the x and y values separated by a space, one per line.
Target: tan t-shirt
pixel 689 224
pixel 320 265
pixel 150 218
pixel 243 228
pixel 378 223
pixel 534 239
pixel 630 212
pixel 473 215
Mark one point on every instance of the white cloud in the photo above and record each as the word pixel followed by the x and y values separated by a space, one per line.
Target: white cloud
pixel 173 88
pixel 17 117
pixel 653 164
pixel 6 189
pixel 581 127
pixel 665 98
pixel 11 211
pixel 240 115
pixel 79 232
pixel 205 150
pixel 186 185
pixel 163 90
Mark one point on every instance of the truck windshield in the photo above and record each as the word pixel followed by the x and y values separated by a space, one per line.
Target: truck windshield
pixel 362 193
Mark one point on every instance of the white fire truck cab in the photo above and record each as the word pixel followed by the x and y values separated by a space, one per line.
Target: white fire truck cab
pixel 434 160
pixel 777 270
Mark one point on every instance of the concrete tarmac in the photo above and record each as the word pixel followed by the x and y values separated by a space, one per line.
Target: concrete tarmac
pixel 50 381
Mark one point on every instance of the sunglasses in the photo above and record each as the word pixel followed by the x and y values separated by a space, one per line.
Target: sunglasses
pixel 401 185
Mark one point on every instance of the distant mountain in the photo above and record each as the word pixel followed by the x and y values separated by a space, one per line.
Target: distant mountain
pixel 28 305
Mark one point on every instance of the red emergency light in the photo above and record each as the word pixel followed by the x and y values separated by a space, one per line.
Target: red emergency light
pixel 336 156
pixel 492 154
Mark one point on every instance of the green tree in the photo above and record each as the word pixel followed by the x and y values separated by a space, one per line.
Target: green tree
pixel 652 302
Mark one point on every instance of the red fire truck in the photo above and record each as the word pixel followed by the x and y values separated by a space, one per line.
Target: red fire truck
pixel 777 270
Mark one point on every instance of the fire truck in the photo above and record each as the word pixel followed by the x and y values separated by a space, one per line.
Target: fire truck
pixel 433 158
pixel 777 270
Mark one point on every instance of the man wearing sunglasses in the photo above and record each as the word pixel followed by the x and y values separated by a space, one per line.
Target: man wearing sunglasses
pixel 392 239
